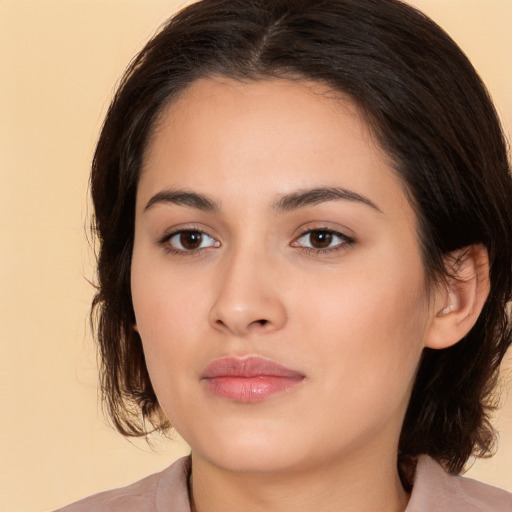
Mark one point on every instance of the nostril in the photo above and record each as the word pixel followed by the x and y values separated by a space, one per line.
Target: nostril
pixel 226 325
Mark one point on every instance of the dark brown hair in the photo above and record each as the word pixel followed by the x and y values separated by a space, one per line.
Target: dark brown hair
pixel 430 112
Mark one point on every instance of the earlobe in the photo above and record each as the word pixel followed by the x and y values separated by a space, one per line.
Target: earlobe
pixel 459 300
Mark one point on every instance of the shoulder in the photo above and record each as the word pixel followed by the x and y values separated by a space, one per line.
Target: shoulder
pixel 435 490
pixel 151 494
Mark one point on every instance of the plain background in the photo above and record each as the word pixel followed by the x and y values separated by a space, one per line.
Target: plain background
pixel 60 60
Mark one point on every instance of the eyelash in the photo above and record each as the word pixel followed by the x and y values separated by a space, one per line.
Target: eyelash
pixel 341 246
pixel 165 242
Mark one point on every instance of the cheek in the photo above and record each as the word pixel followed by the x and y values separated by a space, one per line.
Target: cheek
pixel 370 325
pixel 163 296
pixel 164 308
pixel 166 312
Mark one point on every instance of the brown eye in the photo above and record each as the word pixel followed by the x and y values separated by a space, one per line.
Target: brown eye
pixel 191 240
pixel 320 239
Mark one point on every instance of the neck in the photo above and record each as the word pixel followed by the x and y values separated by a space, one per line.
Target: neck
pixel 354 486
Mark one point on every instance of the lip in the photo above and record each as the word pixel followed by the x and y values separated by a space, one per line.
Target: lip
pixel 249 379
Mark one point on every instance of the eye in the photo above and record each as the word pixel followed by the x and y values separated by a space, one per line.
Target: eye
pixel 189 240
pixel 322 240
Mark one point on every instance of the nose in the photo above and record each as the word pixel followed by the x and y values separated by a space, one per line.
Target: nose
pixel 248 299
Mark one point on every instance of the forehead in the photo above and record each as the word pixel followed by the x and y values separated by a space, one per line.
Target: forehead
pixel 257 138
pixel 218 109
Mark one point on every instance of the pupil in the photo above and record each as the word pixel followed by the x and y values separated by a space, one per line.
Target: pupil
pixel 191 239
pixel 321 239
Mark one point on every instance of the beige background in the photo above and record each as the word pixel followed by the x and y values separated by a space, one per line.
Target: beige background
pixel 59 61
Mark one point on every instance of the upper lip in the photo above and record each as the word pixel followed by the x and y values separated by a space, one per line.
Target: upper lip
pixel 247 367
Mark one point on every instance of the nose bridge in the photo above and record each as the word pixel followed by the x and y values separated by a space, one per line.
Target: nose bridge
pixel 247 297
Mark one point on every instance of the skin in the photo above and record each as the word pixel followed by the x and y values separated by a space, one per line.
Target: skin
pixel 352 317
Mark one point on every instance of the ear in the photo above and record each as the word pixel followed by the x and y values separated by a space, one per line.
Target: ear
pixel 458 301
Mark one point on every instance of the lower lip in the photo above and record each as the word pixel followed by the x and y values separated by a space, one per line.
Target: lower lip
pixel 250 389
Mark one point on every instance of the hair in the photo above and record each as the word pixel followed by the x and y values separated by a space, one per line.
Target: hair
pixel 429 111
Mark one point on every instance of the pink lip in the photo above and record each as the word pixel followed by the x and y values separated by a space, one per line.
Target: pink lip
pixel 250 379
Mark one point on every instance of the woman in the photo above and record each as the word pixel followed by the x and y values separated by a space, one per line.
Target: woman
pixel 304 213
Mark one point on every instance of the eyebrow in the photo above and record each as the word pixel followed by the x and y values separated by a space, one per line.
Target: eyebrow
pixel 183 198
pixel 285 203
pixel 311 197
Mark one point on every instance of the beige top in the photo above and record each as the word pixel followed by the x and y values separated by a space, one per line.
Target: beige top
pixel 434 491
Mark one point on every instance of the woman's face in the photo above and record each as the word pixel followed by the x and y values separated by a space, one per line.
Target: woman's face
pixel 277 280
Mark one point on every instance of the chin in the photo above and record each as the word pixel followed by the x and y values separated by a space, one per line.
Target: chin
pixel 250 461
pixel 250 453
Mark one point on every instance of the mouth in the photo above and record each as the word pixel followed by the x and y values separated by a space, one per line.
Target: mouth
pixel 248 380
